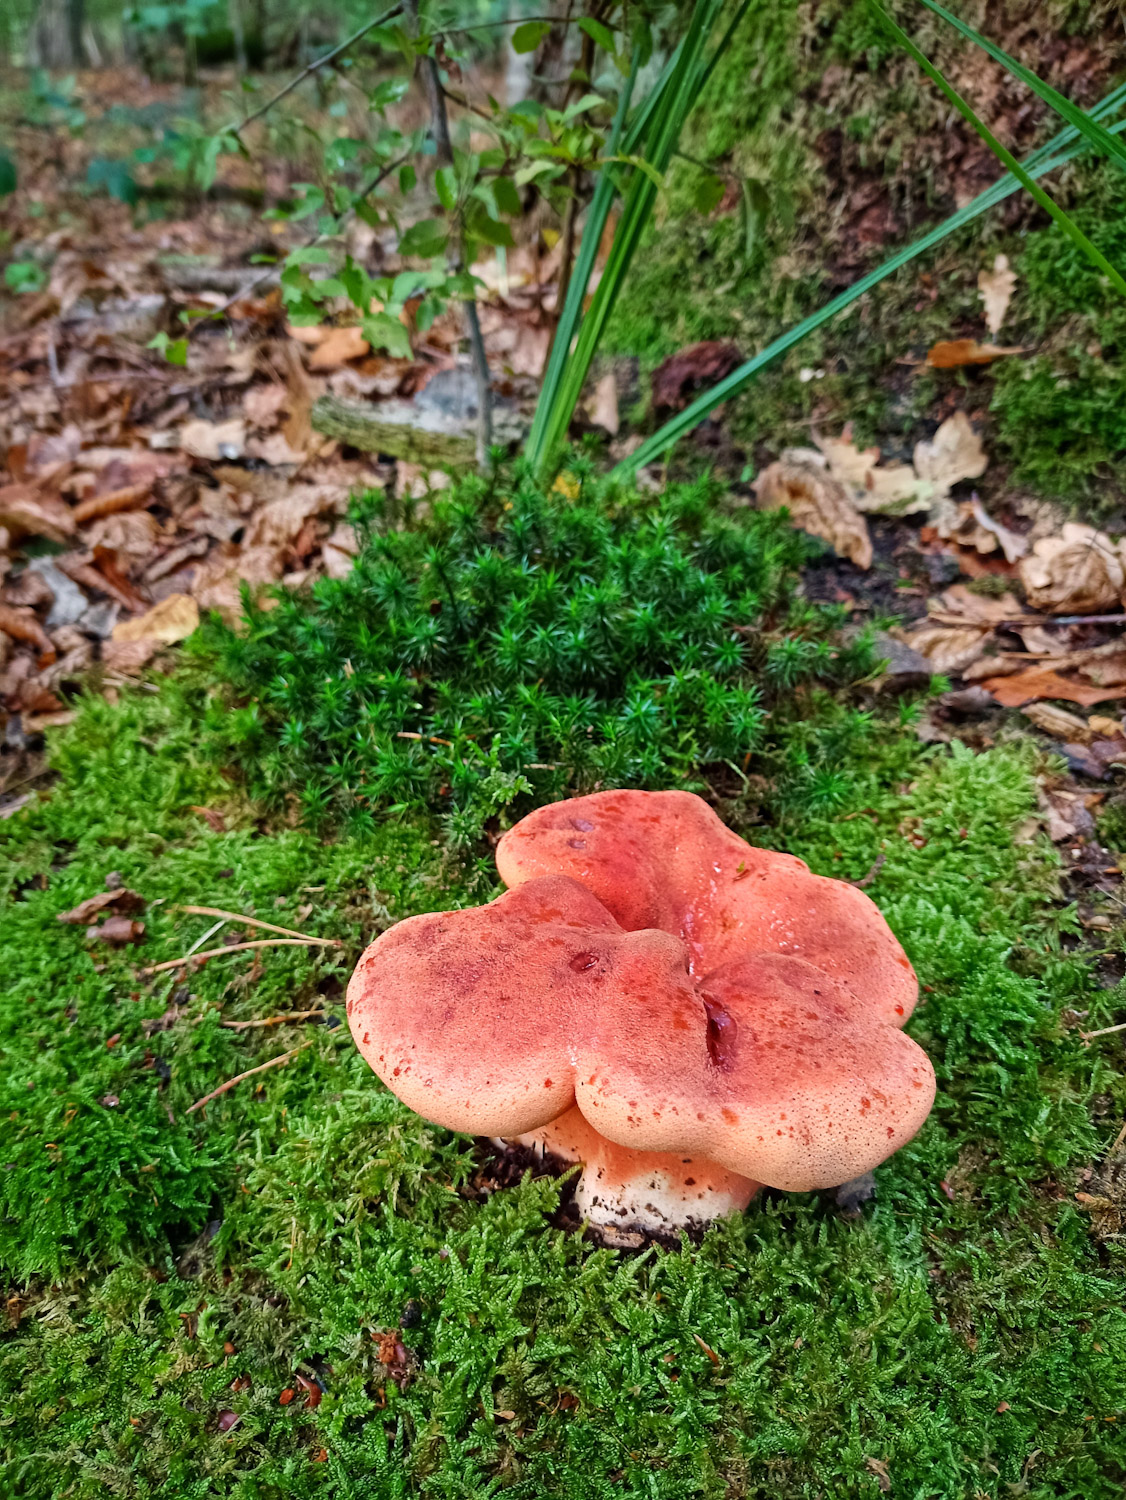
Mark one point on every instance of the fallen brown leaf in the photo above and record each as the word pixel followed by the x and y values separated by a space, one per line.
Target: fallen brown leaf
pixel 602 409
pixel 22 625
pixel 995 288
pixel 964 606
pixel 948 648
pixel 951 354
pixel 128 657
pixel 818 503
pixel 214 441
pixel 891 489
pixel 117 931
pixel 123 900
pixel 1039 682
pixel 1077 572
pixel 173 619
pixel 26 511
pixel 953 454
pixel 689 370
pixel 1060 724
pixel 126 498
pixel 337 347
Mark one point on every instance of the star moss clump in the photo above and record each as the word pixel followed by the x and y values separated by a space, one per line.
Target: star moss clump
pixel 519 646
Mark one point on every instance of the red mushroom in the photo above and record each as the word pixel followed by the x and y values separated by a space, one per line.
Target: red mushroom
pixel 685 1035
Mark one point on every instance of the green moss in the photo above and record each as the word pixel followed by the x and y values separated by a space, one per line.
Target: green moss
pixel 966 1336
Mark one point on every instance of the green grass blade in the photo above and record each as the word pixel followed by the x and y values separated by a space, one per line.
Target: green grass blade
pixel 597 214
pixel 1054 153
pixel 1048 204
pixel 1099 137
pixel 665 124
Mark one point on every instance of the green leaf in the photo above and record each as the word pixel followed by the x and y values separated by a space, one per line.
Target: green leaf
pixel 445 185
pixel 709 192
pixel 600 35
pixel 427 238
pixel 309 255
pixel 642 166
pixel 507 198
pixel 175 351
pixel 383 331
pixel 535 169
pixel 526 38
pixel 482 227
pixel 9 177
pixel 407 178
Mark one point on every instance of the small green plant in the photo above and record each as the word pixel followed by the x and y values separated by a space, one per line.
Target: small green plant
pixel 24 276
pixel 526 644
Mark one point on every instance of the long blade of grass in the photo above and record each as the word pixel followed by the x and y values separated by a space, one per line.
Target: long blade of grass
pixel 1047 203
pixel 597 214
pixel 665 125
pixel 1097 134
pixel 1062 148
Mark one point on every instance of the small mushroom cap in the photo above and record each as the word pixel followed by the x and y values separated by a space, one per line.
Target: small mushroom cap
pixel 766 1069
pixel 664 859
pixel 658 1191
pixel 469 1016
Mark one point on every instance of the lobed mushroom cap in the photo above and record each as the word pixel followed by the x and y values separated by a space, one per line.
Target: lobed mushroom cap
pixel 664 859
pixel 497 1019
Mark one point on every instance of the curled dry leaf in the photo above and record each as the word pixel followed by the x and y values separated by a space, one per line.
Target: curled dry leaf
pixel 217 583
pixel 953 454
pixel 126 498
pixel 22 625
pixel 337 347
pixel 1078 572
pixel 892 489
pixel 948 648
pixel 133 531
pixel 214 441
pixel 122 900
pixel 117 932
pixel 818 503
pixel 952 354
pixel 173 619
pixel 1057 722
pixel 128 657
pixel 958 605
pixel 995 288
pixel 26 511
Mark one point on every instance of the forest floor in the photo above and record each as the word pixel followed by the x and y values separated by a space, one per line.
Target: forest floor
pixel 298 1288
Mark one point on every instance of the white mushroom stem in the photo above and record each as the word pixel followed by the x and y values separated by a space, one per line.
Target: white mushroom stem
pixel 659 1192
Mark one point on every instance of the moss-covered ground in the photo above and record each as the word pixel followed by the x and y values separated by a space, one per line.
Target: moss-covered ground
pixel 965 1336
pixel 835 152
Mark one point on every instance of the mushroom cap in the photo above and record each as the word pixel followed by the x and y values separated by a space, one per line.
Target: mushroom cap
pixel 775 1076
pixel 658 1191
pixel 497 1019
pixel 664 859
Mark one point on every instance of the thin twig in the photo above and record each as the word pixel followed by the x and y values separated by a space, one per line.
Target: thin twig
pixel 234 916
pixel 1066 620
pixel 293 1015
pixel 1105 1031
pixel 440 130
pixel 430 739
pixel 319 62
pixel 176 963
pixel 250 1072
pixel 1118 1140
pixel 881 860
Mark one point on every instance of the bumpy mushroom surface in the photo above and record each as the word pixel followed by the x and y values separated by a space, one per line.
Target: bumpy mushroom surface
pixel 653 993
pixel 664 859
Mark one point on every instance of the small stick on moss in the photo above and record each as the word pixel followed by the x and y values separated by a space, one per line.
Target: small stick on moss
pixel 234 916
pixel 293 1015
pixel 176 963
pixel 1106 1031
pixel 429 739
pixel 250 1072
pixel 881 860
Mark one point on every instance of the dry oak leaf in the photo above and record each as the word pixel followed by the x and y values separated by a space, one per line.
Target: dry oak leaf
pixel 1040 682
pixel 893 489
pixel 214 440
pixel 953 454
pixel 1078 572
pixel 995 288
pixel 279 523
pixel 818 503
pixel 26 511
pixel 952 354
pixel 173 619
